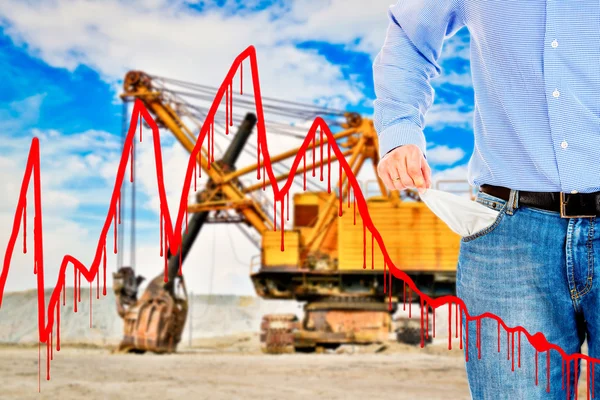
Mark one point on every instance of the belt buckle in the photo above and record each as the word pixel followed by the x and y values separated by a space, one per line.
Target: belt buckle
pixel 563 211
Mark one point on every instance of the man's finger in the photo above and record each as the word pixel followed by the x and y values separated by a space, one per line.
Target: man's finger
pixel 426 173
pixel 414 171
pixel 387 181
pixel 405 180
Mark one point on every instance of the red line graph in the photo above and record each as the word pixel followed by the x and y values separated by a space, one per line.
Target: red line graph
pixel 171 230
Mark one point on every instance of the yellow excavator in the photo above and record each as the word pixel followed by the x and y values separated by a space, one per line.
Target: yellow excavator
pixel 322 265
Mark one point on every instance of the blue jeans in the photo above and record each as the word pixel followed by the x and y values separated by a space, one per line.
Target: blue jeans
pixel 534 269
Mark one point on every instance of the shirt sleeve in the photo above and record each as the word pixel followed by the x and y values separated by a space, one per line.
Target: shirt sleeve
pixel 404 66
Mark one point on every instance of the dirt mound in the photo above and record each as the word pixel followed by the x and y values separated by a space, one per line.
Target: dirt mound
pixel 210 316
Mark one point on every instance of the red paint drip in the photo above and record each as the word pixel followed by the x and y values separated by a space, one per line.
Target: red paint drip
pixel 519 361
pixel 104 269
pixel 456 318
pixel 161 233
pixel 512 351
pixel 390 293
pixel 57 328
pixel 195 183
pixel 328 168
pixel 461 327
pixel 212 144
pixel 478 338
pixel 507 345
pixel 314 149
pixel 372 251
pixel 75 291
pixel 364 246
pixel 341 196
pixel 422 330
pixel 231 104
pixel 227 111
pixel 282 226
pixel 208 148
pixel 449 326
pixel 321 150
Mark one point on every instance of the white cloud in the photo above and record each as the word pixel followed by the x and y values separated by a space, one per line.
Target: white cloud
pixel 165 40
pixel 444 155
pixel 452 179
pixel 443 115
pixel 21 113
pixel 341 21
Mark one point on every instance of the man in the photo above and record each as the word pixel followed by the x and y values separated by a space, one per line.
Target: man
pixel 536 77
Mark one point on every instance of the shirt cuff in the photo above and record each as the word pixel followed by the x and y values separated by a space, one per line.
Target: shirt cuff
pixel 400 134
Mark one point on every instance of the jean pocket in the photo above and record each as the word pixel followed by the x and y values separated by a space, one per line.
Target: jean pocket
pixel 493 203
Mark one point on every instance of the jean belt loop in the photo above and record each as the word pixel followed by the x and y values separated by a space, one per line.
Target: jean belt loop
pixel 513 201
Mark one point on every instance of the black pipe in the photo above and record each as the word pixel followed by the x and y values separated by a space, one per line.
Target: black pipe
pixel 198 219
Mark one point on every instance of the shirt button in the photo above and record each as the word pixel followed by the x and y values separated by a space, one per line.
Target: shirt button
pixel 556 93
pixel 573 191
pixel 554 43
pixel 564 144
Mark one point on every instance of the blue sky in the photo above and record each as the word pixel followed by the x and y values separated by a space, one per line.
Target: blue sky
pixel 62 69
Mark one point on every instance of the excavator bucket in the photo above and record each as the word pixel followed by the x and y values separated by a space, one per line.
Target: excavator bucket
pixel 155 322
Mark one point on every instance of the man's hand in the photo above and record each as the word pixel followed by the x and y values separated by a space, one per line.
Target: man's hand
pixel 405 167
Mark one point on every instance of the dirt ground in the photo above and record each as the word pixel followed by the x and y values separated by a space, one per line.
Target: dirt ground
pixel 234 368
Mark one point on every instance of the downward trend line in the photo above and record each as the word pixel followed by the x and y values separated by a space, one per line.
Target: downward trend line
pixel 172 230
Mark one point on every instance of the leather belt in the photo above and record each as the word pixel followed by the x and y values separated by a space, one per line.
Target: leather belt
pixel 570 205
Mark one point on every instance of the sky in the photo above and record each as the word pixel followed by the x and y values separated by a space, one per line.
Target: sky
pixel 62 64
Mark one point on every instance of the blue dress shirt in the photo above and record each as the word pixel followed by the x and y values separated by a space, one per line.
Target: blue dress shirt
pixel 536 76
